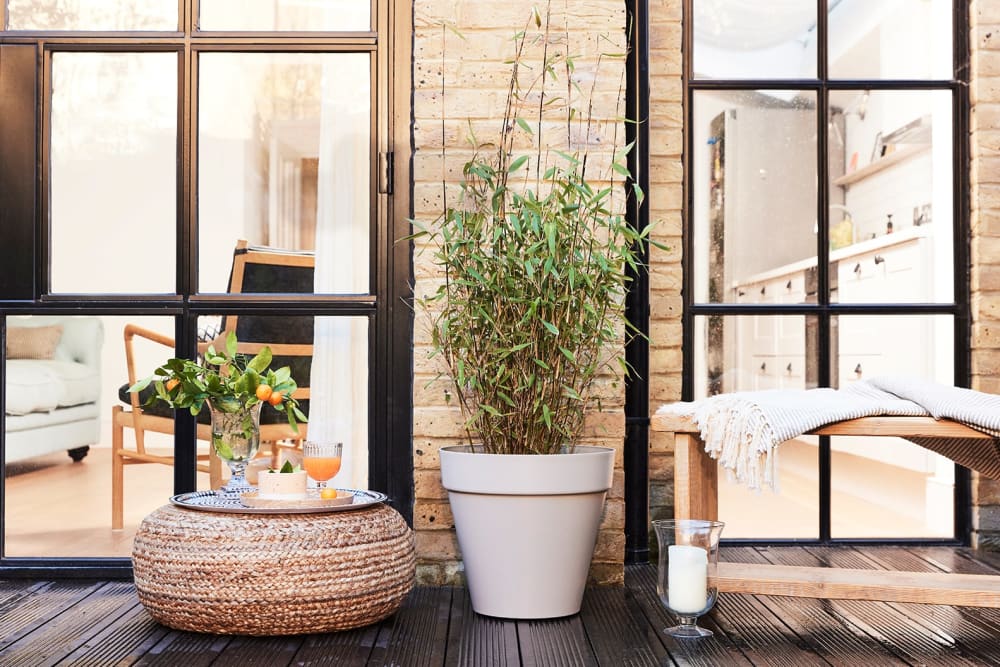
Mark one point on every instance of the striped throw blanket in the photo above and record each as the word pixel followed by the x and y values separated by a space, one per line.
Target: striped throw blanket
pixel 743 429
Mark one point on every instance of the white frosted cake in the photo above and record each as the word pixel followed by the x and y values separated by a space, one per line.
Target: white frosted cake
pixel 274 485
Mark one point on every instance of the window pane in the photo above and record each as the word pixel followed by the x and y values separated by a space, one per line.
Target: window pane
pixel 890 39
pixel 754 185
pixel 747 353
pixel 113 172
pixel 873 345
pixel 735 39
pixel 754 352
pixel 285 161
pixel 66 404
pixel 889 487
pixel 92 15
pixel 269 15
pixel 891 192
pixel 328 359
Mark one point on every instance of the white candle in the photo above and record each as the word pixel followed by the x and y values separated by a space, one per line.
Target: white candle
pixel 687 578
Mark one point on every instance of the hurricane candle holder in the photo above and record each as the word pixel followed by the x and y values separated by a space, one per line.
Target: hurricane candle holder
pixel 689 557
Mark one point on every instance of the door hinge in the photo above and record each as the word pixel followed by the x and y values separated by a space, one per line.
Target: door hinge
pixel 385 174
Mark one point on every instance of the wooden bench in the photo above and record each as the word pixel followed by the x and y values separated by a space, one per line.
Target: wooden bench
pixel 696 490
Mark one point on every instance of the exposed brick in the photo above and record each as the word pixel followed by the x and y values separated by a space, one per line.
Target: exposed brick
pixel 428 515
pixel 436 545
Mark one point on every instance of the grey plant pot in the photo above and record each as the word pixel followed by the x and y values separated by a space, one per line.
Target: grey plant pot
pixel 527 526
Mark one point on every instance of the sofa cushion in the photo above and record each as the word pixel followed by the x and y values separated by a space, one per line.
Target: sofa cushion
pixel 33 342
pixel 44 385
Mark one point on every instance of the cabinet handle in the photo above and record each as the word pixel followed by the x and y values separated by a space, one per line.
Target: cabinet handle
pixel 879 259
pixel 857 370
pixel 789 368
pixel 740 292
pixel 763 289
pixel 763 367
pixel 857 268
pixel 788 286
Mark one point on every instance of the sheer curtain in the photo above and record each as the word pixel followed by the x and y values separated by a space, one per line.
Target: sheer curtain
pixel 338 407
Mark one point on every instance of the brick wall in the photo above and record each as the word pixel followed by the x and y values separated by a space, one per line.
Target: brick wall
pixel 468 64
pixel 985 224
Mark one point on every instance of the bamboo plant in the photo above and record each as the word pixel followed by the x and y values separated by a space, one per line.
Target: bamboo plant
pixel 534 256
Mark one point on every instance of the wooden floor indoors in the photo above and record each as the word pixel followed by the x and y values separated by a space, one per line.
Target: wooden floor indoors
pixel 68 622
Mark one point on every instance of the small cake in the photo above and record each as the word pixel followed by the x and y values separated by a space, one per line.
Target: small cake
pixel 274 485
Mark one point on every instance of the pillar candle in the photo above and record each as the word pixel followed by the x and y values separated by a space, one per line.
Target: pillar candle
pixel 687 578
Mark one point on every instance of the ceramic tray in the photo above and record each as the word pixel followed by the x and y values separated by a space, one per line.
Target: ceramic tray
pixel 209 501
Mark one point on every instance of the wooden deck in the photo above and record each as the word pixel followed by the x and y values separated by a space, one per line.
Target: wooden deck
pixel 100 623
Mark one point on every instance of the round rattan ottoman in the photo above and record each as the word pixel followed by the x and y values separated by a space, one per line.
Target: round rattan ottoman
pixel 276 574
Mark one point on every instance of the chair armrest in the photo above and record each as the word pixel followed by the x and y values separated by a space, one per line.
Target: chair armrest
pixel 132 331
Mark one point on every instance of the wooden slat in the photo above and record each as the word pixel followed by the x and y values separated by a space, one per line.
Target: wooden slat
pixel 475 640
pixel 559 642
pixel 63 632
pixel 21 615
pixel 185 648
pixel 122 642
pixel 902 427
pixel 417 633
pixel 814 621
pixel 618 631
pixel 710 652
pixel 259 652
pixel 851 584
pixel 893 624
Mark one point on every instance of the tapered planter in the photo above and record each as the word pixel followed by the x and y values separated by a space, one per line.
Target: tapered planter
pixel 527 526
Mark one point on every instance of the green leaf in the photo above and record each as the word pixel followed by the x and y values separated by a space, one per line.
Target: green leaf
pixel 523 124
pixel 287 467
pixel 553 329
pixel 231 344
pixel 517 164
pixel 263 359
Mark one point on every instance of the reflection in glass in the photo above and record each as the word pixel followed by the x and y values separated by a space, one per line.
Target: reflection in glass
pixel 891 196
pixel 762 40
pixel 91 15
pixel 113 172
pixel 890 39
pixel 64 378
pixel 754 186
pixel 284 161
pixel 746 353
pixel 327 357
pixel 910 489
pixel 282 15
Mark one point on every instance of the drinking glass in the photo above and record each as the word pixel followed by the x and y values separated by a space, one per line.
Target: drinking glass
pixel 689 558
pixel 321 460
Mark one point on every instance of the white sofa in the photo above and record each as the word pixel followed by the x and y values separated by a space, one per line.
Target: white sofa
pixel 52 404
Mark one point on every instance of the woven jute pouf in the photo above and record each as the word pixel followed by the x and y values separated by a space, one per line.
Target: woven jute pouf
pixel 275 574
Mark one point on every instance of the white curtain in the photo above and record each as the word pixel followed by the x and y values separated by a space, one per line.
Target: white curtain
pixel 338 407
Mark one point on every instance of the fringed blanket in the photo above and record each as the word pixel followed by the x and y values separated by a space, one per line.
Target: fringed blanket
pixel 743 429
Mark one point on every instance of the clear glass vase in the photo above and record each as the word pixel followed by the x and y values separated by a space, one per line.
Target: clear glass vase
pixel 235 438
pixel 689 558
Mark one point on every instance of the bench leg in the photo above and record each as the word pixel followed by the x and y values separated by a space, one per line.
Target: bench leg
pixel 696 479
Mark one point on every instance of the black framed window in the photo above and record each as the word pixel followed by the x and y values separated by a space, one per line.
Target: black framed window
pixel 826 243
pixel 148 144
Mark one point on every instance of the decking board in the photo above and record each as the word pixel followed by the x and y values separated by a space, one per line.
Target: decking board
pixel 97 624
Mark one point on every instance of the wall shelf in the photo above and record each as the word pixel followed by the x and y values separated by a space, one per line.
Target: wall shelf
pixel 900 154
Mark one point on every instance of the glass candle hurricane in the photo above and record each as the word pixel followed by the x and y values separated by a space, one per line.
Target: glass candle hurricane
pixel 689 556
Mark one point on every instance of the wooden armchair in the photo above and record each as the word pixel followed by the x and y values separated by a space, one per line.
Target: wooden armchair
pixel 255 270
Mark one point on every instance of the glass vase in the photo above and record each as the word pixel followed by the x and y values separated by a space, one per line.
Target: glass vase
pixel 689 558
pixel 235 438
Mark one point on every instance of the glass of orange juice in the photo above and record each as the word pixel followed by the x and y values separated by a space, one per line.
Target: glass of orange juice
pixel 321 460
